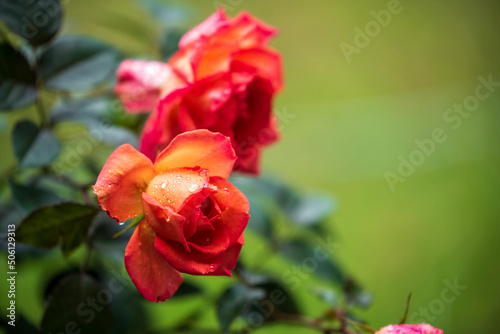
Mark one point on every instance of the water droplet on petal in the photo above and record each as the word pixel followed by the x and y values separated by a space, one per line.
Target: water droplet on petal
pixel 179 177
pixel 203 172
pixel 121 223
pixel 193 188
pixel 164 184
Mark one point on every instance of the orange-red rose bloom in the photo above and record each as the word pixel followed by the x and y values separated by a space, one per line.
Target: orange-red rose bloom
pixel 193 217
pixel 409 329
pixel 223 78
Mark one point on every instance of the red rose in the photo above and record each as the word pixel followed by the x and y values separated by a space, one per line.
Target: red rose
pixel 193 217
pixel 409 329
pixel 223 78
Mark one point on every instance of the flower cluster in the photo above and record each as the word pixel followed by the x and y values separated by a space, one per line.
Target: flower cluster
pixel 211 113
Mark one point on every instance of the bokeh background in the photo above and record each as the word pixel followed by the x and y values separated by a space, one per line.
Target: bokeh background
pixel 346 124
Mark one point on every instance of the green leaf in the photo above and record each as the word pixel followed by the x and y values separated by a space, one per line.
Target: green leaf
pixel 260 215
pixel 311 210
pixel 37 21
pixel 304 210
pixel 313 259
pixel 96 115
pixel 273 297
pixel 116 136
pixel 327 295
pixel 66 222
pixel 355 295
pixel 30 197
pixel 89 109
pixel 69 309
pixel 77 63
pixel 34 146
pixel 231 304
pixel 17 79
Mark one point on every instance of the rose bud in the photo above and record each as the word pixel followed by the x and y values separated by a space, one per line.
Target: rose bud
pixel 409 329
pixel 193 217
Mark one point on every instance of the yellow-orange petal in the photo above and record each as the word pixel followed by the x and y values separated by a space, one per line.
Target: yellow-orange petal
pixel 199 148
pixel 174 187
pixel 153 276
pixel 121 182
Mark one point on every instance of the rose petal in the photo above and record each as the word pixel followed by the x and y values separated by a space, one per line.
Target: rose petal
pixel 202 148
pixel 174 187
pixel 265 61
pixel 194 262
pixel 233 205
pixel 202 101
pixel 191 209
pixel 210 241
pixel 247 31
pixel 215 59
pixel 139 84
pixel 123 178
pixel 250 137
pixel 162 125
pixel 153 276
pixel 213 23
pixel 186 61
pixel 230 259
pixel 165 222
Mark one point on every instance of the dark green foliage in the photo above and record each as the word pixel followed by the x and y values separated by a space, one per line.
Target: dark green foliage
pixel 77 63
pixel 37 21
pixel 70 306
pixel 67 223
pixel 17 79
pixel 34 146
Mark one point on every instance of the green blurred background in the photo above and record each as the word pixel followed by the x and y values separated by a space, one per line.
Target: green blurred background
pixel 347 125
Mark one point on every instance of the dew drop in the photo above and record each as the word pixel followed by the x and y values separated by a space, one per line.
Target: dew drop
pixel 164 184
pixel 121 223
pixel 203 172
pixel 179 177
pixel 193 188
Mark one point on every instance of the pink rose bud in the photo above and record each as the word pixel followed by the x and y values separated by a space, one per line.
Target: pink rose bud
pixel 409 329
